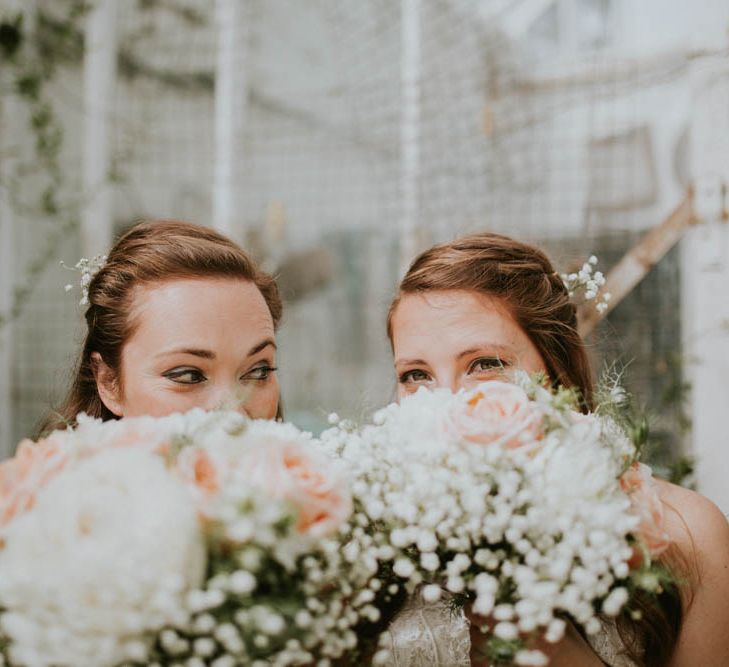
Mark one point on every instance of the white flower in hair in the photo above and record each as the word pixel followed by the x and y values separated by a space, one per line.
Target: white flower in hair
pixel 88 268
pixel 589 281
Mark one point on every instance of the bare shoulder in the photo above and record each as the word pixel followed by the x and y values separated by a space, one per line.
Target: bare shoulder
pixel 696 525
pixel 700 532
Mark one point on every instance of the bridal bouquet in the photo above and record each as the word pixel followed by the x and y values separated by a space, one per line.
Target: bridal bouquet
pixel 512 501
pixel 196 539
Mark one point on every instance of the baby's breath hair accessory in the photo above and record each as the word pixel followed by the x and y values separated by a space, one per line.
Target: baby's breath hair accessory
pixel 590 281
pixel 88 268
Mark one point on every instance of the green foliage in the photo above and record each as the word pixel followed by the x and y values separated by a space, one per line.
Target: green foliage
pixel 681 471
pixel 677 391
pixel 669 414
pixel 11 36
pixel 457 602
pixel 501 652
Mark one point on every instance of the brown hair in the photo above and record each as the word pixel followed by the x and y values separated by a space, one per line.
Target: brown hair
pixel 151 251
pixel 523 278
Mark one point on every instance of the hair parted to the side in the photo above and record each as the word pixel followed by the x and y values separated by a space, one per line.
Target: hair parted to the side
pixel 151 251
pixel 524 280
pixel 522 277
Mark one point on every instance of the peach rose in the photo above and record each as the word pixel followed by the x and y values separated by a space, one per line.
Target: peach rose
pixel 136 432
pixel 309 482
pixel 646 504
pixel 496 413
pixel 32 467
pixel 199 472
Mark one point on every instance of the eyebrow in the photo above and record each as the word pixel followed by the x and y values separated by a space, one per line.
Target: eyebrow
pixel 203 354
pixel 209 354
pixel 489 346
pixel 502 349
pixel 262 346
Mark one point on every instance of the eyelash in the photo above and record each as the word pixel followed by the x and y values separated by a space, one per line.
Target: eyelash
pixel 407 376
pixel 178 373
pixel 175 375
pixel 266 372
pixel 493 363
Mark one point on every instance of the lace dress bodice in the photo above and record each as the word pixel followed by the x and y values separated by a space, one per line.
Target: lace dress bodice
pixel 434 635
pixel 609 647
pixel 428 633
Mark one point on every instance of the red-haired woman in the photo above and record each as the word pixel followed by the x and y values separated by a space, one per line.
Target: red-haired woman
pixel 467 310
pixel 177 317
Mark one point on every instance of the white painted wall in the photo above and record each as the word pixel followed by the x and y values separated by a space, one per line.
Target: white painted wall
pixel 655 26
pixel 705 267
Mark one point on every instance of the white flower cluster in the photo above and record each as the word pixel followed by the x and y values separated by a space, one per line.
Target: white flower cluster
pixel 88 268
pixel 590 281
pixel 190 540
pixel 530 525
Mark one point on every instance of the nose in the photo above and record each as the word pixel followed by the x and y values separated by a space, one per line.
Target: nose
pixel 448 381
pixel 228 397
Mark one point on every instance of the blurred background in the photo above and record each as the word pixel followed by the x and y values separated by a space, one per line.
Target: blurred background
pixel 336 138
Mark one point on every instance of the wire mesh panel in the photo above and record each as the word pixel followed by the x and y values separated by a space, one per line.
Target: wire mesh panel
pixel 164 111
pixel 530 125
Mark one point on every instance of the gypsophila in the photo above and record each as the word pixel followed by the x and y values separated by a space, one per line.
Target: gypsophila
pixel 588 281
pixel 88 268
pixel 506 497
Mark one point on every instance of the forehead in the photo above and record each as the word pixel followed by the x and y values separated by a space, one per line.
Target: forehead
pixel 209 306
pixel 440 321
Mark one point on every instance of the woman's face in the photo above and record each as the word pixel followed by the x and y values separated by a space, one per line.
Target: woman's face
pixel 455 339
pixel 206 343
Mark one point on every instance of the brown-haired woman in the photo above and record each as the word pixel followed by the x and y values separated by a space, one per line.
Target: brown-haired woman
pixel 467 310
pixel 178 317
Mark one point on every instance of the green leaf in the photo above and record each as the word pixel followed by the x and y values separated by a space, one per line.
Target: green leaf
pixel 11 36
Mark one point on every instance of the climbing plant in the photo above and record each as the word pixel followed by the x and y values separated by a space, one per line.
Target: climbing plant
pixel 32 50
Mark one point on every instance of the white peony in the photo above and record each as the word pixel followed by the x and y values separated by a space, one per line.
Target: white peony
pixel 102 560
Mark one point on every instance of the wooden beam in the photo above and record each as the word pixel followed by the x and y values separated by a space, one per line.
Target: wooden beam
pixel 637 263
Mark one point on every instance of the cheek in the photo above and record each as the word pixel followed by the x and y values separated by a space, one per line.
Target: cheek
pixel 148 398
pixel 471 380
pixel 263 401
pixel 532 363
pixel 147 394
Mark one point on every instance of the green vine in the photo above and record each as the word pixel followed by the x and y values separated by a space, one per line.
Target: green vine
pixel 31 56
pixel 32 53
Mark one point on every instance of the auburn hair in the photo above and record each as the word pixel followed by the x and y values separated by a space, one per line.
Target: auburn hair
pixel 524 280
pixel 150 252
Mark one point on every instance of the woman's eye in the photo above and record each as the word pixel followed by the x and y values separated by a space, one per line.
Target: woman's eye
pixel 414 376
pixel 260 373
pixel 185 376
pixel 486 364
